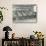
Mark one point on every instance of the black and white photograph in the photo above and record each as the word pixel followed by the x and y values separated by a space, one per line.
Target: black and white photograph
pixel 25 13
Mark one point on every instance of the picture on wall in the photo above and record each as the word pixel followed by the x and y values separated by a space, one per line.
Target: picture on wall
pixel 25 13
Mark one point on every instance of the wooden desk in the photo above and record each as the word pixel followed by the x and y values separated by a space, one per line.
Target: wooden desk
pixel 24 42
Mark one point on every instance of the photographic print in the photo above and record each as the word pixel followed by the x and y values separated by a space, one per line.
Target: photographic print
pixel 25 13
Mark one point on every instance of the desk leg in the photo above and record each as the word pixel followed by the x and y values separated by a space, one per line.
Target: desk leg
pixel 43 42
pixel 2 42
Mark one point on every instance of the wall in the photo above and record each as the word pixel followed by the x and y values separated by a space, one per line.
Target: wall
pixel 23 29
